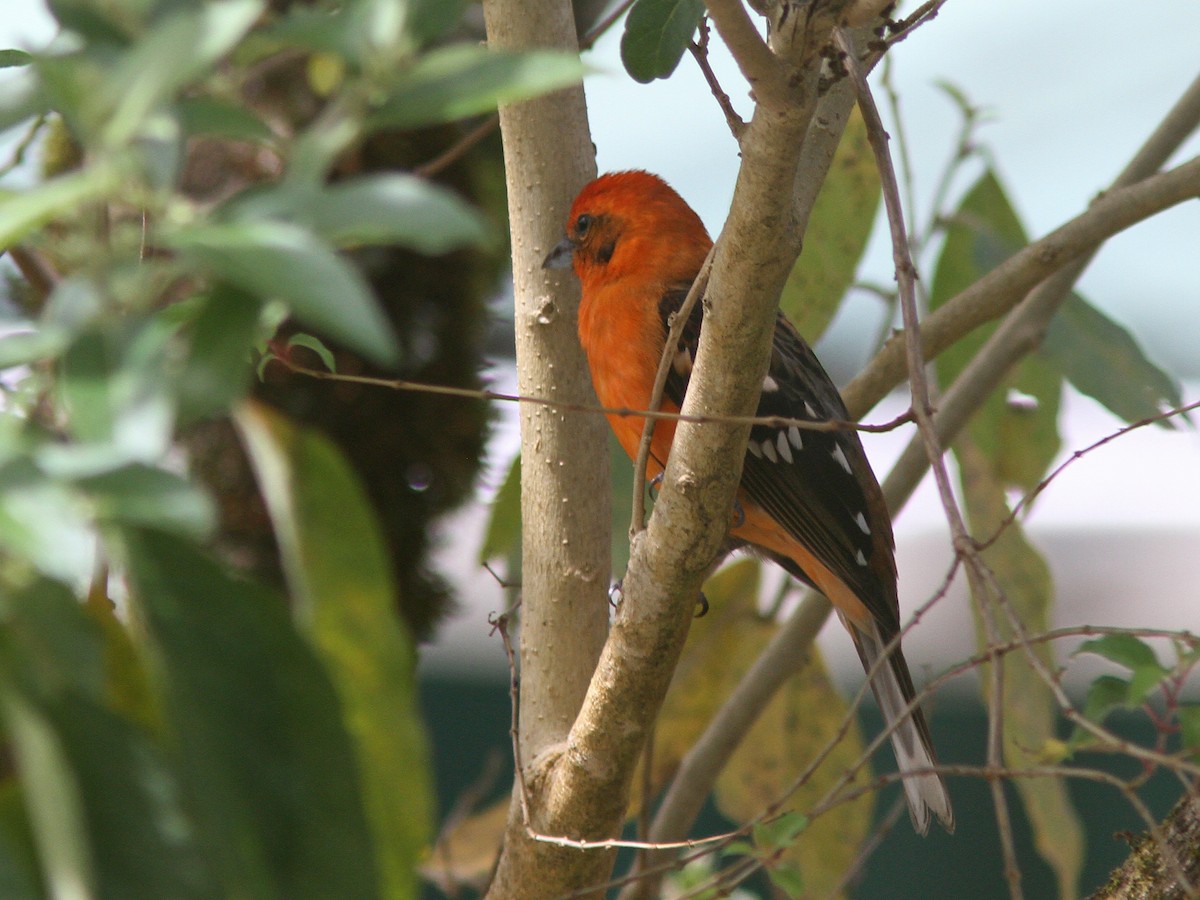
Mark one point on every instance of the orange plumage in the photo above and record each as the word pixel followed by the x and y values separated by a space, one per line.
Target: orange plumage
pixel 807 498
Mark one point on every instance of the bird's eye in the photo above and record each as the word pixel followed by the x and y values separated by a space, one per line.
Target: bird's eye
pixel 582 223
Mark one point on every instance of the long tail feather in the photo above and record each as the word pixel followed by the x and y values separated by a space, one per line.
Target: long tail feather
pixel 893 688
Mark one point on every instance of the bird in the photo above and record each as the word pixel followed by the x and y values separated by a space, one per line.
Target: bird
pixel 807 499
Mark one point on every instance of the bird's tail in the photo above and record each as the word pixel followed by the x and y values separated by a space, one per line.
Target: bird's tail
pixel 893 688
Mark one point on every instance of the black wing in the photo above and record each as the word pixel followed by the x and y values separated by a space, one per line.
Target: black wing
pixel 817 484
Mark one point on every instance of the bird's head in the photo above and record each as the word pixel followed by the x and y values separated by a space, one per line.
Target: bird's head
pixel 631 223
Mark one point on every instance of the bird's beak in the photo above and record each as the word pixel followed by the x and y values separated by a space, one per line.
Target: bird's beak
pixel 560 256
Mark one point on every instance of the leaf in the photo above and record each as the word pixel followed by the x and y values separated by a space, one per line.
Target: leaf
pixel 340 575
pixel 1030 713
pixel 1019 438
pixel 177 50
pixel 798 723
pixel 219 118
pixel 1134 654
pixel 1104 361
pixel 20 877
pixel 21 98
pixel 503 535
pixel 12 58
pixel 42 524
pixel 837 234
pixel 788 877
pixel 375 210
pixel 1189 726
pixel 279 260
pixel 29 210
pixel 138 494
pixel 464 80
pixel 221 336
pixel 465 854
pixel 657 33
pixel 309 342
pixel 122 820
pixel 256 728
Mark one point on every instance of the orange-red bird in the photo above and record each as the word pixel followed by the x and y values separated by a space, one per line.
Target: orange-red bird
pixel 808 498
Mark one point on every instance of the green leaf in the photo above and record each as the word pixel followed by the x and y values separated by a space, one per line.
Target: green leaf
pixel 430 19
pixel 55 806
pixel 114 390
pixel 12 58
pixel 316 346
pixel 503 535
pixel 837 234
pixel 1105 694
pixel 257 734
pixel 657 33
pixel 1189 726
pixel 218 368
pixel 176 51
pixel 210 116
pixel 29 210
pixel 24 347
pixel 21 98
pixel 1125 650
pixel 121 824
pixel 20 876
pixel 464 80
pixel 279 260
pixel 779 832
pixel 1017 427
pixel 141 495
pixel 43 524
pixel 1103 360
pixel 397 209
pixel 340 575
pixel 374 209
pixel 788 877
pixel 1134 654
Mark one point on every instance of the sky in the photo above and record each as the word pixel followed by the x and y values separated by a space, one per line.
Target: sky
pixel 1071 87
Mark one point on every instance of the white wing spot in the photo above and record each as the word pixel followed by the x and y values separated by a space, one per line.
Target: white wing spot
pixel 770 385
pixel 768 450
pixel 683 361
pixel 840 458
pixel 795 437
pixel 754 449
pixel 861 521
pixel 784 450
pixel 859 558
pixel 808 408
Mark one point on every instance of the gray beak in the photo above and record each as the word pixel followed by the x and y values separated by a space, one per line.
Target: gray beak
pixel 560 256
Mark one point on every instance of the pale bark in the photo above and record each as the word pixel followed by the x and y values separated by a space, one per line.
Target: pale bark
pixel 564 487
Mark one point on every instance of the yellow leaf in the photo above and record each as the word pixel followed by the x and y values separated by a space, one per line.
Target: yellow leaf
pixel 795 727
pixel 465 854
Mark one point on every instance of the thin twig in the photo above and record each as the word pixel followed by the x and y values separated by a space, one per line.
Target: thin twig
pixel 923 412
pixel 678 323
pixel 458 149
pixel 400 384
pixel 699 50
pixel 500 623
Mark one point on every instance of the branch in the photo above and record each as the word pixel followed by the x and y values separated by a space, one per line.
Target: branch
pixel 1003 287
pixel 565 545
pixel 759 66
pixel 1025 328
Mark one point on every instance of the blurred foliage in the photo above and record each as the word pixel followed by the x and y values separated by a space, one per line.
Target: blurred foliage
pixel 205 693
